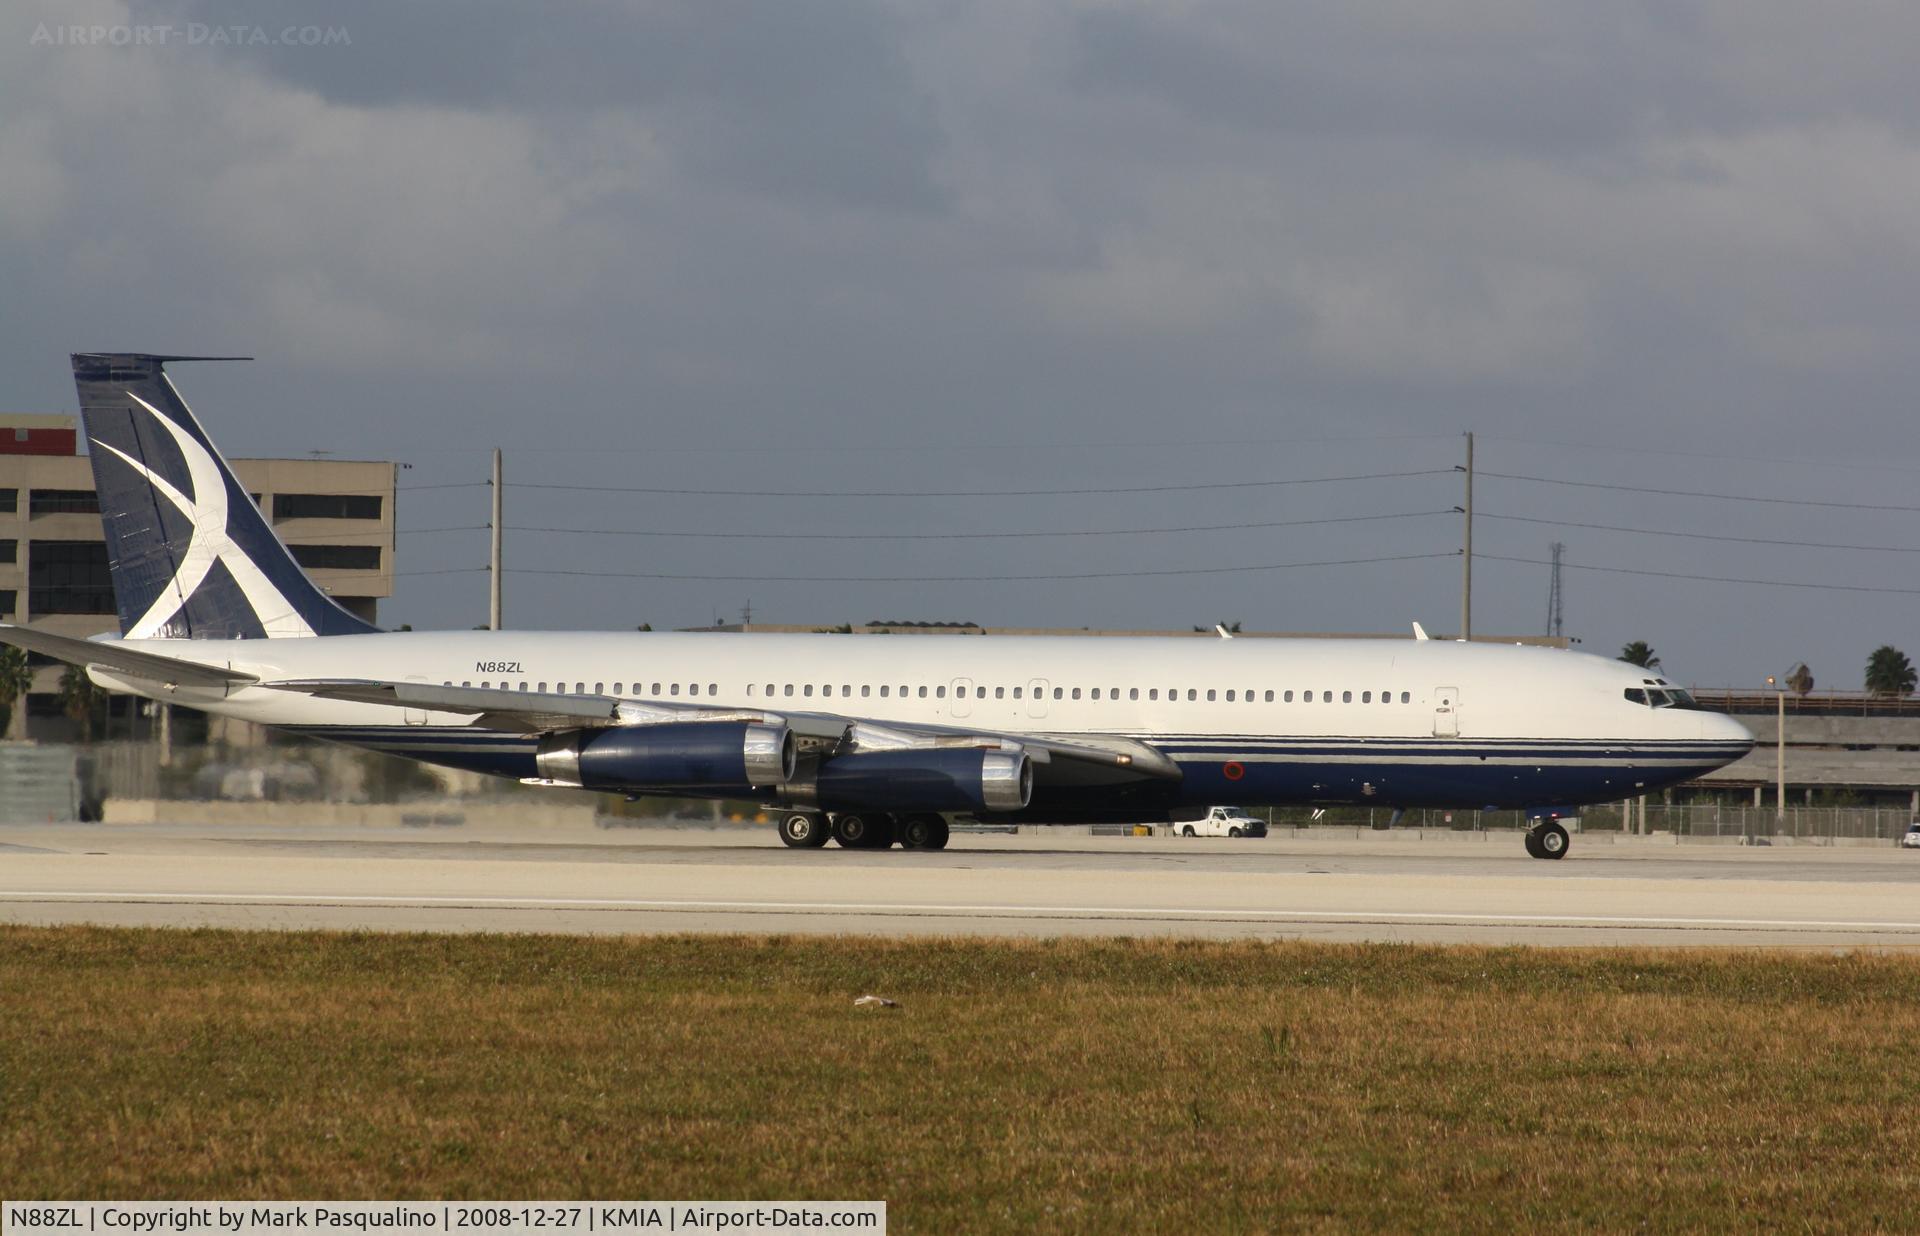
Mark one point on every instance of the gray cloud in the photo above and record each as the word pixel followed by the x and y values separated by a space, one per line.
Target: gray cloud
pixel 861 246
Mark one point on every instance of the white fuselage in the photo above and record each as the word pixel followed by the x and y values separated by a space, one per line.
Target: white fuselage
pixel 1411 721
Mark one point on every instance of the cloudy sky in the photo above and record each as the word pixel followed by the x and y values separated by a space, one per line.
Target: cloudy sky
pixel 1150 253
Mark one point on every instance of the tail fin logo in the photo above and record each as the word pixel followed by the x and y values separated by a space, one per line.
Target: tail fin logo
pixel 211 542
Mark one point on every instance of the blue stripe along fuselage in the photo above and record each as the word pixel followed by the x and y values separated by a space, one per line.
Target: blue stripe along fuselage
pixel 1417 772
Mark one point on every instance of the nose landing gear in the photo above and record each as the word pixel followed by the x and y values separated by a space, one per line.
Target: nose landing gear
pixel 1547 840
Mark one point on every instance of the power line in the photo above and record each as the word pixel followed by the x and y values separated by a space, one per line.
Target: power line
pixel 970 536
pixel 979 493
pixel 1689 493
pixel 973 579
pixel 1710 579
pixel 936 448
pixel 1707 536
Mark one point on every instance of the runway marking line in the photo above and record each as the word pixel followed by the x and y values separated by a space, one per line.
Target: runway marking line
pixel 1001 911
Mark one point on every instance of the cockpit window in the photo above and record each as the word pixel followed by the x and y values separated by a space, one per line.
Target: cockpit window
pixel 1670 697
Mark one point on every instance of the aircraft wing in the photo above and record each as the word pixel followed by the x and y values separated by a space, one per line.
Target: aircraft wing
pixel 535 712
pixel 172 671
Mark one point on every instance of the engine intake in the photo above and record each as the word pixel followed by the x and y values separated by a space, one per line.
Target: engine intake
pixel 694 756
pixel 958 779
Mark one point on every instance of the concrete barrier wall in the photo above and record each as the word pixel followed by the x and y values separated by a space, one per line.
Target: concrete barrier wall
pixel 430 814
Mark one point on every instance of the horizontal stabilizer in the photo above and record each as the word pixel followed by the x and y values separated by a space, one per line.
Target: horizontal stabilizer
pixel 110 656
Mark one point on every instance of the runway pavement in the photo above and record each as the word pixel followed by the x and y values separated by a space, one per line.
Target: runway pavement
pixel 1479 889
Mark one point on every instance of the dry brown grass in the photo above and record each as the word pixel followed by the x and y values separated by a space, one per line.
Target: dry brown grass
pixel 1076 1085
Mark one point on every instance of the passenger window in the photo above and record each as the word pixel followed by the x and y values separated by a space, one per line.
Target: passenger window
pixel 693 688
pixel 1229 695
pixel 1269 697
pixel 1133 693
pixel 1248 696
pixel 1113 693
pixel 543 686
pixel 1096 693
pixel 959 693
pixel 1405 698
pixel 999 693
pixel 580 688
pixel 618 688
pixel 1016 692
pixel 1076 693
pixel 939 693
pixel 883 690
pixel 1326 697
pixel 673 688
pixel 806 689
pixel 1306 697
pixel 865 690
pixel 466 684
pixel 1366 697
pixel 1287 698
pixel 523 686
pixel 1346 697
pixel 1058 693
pixel 713 688
pixel 1192 694
pixel 923 693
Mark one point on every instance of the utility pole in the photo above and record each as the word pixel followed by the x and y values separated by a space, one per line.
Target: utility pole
pixel 493 588
pixel 1466 559
pixel 1555 623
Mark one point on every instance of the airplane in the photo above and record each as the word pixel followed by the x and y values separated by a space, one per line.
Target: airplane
pixel 867 742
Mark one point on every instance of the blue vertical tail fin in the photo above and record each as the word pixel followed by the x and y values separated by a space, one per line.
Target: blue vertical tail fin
pixel 191 555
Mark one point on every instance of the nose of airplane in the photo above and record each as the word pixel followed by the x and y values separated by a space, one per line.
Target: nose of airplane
pixel 1720 728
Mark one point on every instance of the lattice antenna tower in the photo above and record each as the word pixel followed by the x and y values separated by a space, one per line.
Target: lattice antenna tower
pixel 1556 618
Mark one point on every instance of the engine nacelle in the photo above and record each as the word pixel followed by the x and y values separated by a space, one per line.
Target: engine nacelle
pixel 945 779
pixel 704 757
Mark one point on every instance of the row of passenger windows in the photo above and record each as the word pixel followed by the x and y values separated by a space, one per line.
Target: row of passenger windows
pixel 806 690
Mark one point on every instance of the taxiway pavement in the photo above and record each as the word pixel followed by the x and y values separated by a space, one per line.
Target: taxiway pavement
pixel 1479 890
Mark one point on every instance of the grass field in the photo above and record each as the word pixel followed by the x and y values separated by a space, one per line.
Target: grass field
pixel 1065 1085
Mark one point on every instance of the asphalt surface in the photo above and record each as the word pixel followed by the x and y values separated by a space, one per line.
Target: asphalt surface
pixel 1436 888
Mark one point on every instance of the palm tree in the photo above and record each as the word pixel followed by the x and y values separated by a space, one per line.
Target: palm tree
pixel 1640 653
pixel 16 677
pixel 80 699
pixel 1889 672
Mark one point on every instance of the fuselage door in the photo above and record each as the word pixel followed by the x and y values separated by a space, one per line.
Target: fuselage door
pixel 962 696
pixel 1037 697
pixel 1446 712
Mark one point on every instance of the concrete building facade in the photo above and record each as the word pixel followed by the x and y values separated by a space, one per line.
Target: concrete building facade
pixel 337 517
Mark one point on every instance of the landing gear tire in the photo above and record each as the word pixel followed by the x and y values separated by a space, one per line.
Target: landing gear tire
pixel 804 830
pixel 1548 841
pixel 863 832
pixel 923 832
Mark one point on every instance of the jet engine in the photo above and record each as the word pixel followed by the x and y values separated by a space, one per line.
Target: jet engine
pixel 705 757
pixel 944 779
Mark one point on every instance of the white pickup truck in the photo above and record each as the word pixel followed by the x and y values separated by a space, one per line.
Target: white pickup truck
pixel 1222 822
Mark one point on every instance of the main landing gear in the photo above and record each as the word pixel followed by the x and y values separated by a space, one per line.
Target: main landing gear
pixel 804 830
pixel 864 831
pixel 1547 840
